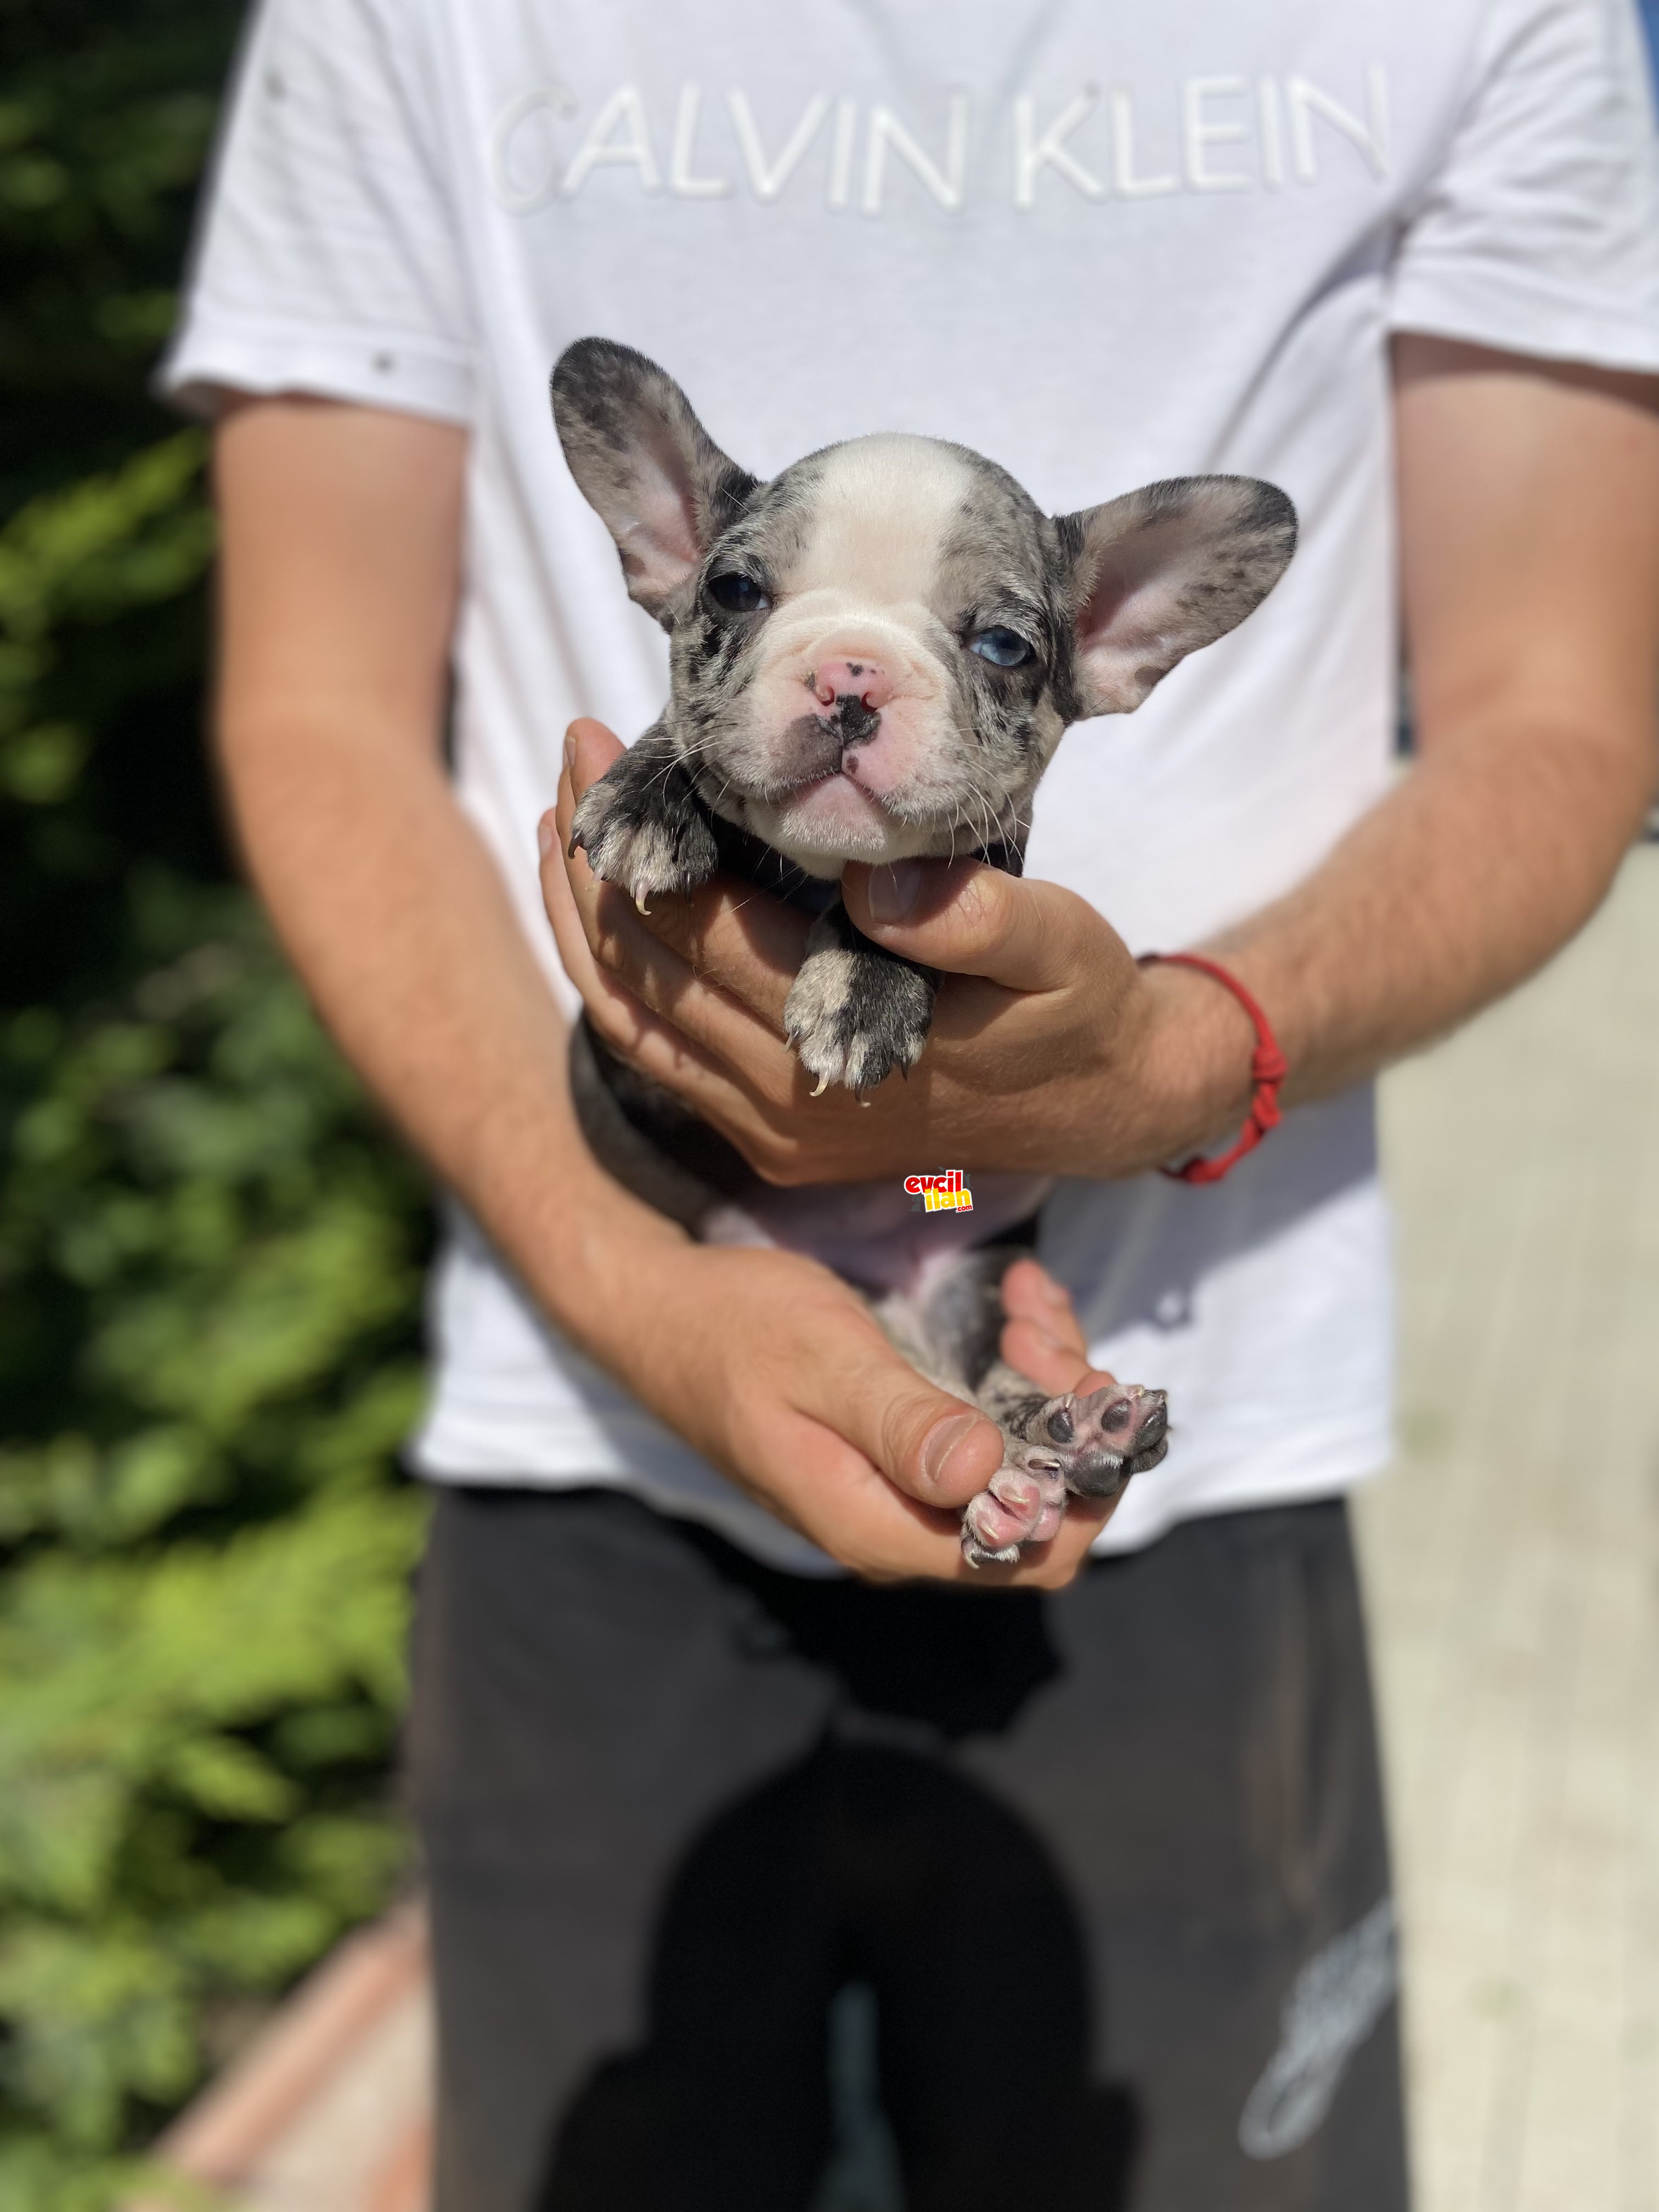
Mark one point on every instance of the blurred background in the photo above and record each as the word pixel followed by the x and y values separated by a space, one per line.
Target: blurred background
pixel 209 1258
pixel 210 1270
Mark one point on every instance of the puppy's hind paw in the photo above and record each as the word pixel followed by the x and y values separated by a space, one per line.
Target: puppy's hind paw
pixel 1022 1504
pixel 1088 1446
pixel 1100 1440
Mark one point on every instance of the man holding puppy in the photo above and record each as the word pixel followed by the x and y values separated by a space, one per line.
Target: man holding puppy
pixel 1107 1843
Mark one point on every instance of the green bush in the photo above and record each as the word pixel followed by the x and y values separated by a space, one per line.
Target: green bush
pixel 209 1256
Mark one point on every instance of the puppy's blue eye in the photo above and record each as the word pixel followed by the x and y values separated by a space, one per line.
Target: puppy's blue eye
pixel 737 593
pixel 1003 648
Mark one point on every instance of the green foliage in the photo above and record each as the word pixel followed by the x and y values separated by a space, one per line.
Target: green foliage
pixel 209 1256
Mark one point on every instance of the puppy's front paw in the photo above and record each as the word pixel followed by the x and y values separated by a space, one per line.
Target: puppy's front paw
pixel 638 834
pixel 855 1013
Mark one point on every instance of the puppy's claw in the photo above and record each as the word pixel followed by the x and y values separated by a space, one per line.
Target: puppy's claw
pixel 1021 1504
pixel 977 1555
pixel 820 1086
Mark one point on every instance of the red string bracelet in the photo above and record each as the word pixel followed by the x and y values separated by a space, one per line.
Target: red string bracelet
pixel 1268 1068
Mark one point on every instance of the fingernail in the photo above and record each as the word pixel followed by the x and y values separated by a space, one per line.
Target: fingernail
pixel 1047 1341
pixel 940 1443
pixel 894 890
pixel 546 831
pixel 1052 1292
pixel 570 745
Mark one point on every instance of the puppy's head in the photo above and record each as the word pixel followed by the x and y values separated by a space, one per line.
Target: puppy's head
pixel 876 653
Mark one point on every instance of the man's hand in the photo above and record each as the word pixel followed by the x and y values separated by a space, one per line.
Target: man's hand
pixel 1529 532
pixel 341 536
pixel 1530 529
pixel 775 1372
pixel 1050 1051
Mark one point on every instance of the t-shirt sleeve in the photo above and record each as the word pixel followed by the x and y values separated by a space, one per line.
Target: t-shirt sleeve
pixel 1539 233
pixel 326 260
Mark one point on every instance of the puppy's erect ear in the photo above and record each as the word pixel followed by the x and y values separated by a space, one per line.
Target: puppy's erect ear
pixel 661 484
pixel 1164 571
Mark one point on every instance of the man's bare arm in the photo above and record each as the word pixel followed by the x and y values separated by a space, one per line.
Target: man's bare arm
pixel 1530 526
pixel 342 533
pixel 339 574
pixel 1529 566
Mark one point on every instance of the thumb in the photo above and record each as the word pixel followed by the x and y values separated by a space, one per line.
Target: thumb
pixel 936 1448
pixel 589 749
pixel 972 920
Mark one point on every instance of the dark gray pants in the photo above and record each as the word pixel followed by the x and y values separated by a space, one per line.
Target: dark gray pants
pixel 1112 1864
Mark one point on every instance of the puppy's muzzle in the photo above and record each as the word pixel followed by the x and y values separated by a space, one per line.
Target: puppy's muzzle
pixel 854 692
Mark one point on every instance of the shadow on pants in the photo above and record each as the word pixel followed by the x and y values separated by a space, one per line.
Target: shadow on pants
pixel 878 1889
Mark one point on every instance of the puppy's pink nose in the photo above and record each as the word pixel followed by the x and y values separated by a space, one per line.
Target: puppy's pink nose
pixel 864 680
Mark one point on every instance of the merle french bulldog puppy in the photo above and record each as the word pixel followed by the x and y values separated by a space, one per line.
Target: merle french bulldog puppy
pixel 874 656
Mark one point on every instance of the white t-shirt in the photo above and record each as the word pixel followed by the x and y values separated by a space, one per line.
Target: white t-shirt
pixel 1102 243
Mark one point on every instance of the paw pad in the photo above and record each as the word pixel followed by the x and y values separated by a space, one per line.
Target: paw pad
pixel 1087 1446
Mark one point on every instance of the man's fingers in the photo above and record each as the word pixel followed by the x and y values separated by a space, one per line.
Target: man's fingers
pixel 733 934
pixel 933 1447
pixel 589 749
pixel 972 920
pixel 624 971
pixel 849 1508
pixel 1029 1352
pixel 569 934
pixel 1030 1293
pixel 656 1045
pixel 840 1498
pixel 634 958
pixel 1043 1337
pixel 1058 1563
pixel 661 1044
pixel 662 1050
pixel 728 932
pixel 1053 1564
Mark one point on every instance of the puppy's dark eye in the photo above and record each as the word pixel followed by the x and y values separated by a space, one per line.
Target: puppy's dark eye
pixel 1003 648
pixel 737 593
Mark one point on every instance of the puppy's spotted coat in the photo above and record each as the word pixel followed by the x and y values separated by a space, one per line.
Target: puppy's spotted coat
pixel 874 657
